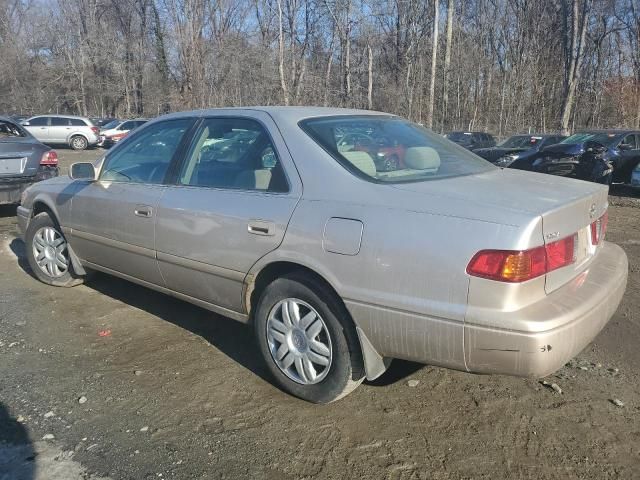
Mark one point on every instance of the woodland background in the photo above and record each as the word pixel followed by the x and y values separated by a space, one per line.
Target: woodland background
pixel 504 66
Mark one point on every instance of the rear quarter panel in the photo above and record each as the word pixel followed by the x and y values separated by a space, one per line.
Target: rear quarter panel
pixel 407 286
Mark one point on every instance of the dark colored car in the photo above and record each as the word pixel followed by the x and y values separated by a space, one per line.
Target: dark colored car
pixel 101 122
pixel 472 140
pixel 23 161
pixel 602 156
pixel 517 148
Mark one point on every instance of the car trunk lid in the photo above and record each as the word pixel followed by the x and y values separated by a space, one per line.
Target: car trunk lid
pixel 566 206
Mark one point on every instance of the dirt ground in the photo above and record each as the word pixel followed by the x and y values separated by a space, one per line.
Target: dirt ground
pixel 173 391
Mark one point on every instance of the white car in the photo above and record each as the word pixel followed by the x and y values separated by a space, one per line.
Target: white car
pixel 76 132
pixel 117 130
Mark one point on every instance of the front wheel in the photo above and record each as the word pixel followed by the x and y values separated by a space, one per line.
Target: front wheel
pixel 307 341
pixel 48 252
pixel 78 142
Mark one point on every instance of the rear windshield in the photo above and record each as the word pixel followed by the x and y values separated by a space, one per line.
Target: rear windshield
pixel 460 137
pixel 390 149
pixel 521 141
pixel 10 130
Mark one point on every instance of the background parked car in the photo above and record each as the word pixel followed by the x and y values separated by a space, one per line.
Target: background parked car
pixel 76 132
pixel 602 156
pixel 116 130
pixel 472 140
pixel 23 161
pixel 517 148
pixel 101 122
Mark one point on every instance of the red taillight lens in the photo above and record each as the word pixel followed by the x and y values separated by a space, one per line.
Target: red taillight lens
pixel 520 266
pixel 49 158
pixel 599 228
pixel 561 253
pixel 95 130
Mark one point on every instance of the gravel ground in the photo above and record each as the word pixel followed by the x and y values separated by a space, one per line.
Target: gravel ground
pixel 116 381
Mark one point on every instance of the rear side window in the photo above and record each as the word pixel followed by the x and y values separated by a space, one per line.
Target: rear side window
pixel 233 153
pixel 59 122
pixel 77 122
pixel 39 122
pixel 145 157
pixel 10 130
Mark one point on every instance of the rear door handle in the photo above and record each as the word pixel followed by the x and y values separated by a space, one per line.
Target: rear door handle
pixel 143 211
pixel 262 227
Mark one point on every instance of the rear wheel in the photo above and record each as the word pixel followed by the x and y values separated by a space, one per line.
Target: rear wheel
pixel 78 142
pixel 307 341
pixel 48 252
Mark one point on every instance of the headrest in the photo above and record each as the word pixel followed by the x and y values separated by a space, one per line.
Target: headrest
pixel 422 158
pixel 362 161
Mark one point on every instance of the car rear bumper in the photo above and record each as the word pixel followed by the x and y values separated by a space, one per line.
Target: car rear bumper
pixel 578 310
pixel 11 188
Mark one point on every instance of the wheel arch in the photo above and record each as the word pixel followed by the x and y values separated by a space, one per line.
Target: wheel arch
pixel 255 283
pixel 77 134
pixel 41 205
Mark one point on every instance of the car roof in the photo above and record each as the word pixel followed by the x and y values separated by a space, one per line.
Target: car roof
pixel 615 131
pixel 59 116
pixel 297 113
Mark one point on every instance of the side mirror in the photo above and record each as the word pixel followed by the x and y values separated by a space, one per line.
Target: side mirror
pixel 25 124
pixel 624 147
pixel 82 171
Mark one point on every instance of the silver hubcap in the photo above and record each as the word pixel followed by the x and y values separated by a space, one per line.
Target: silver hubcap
pixel 78 142
pixel 299 341
pixel 50 252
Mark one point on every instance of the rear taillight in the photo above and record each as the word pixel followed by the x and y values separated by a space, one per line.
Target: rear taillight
pixel 118 136
pixel 49 158
pixel 520 266
pixel 95 130
pixel 599 228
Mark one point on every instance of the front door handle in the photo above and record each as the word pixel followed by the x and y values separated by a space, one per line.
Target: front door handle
pixel 262 227
pixel 143 211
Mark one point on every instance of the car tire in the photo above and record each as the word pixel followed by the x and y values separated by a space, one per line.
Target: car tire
pixel 48 254
pixel 342 369
pixel 78 142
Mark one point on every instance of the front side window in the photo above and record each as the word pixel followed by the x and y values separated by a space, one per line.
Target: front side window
pixel 126 126
pixel 234 153
pixel 418 154
pixel 630 141
pixel 39 122
pixel 145 157
pixel 10 130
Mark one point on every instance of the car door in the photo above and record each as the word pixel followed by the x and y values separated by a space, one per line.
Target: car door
pixel 230 205
pixel 112 219
pixel 629 153
pixel 39 128
pixel 59 128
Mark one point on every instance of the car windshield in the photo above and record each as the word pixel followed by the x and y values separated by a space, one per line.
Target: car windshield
pixel 598 137
pixel 111 124
pixel 390 149
pixel 459 137
pixel 520 141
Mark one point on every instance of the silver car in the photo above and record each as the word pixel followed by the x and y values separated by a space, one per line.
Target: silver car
pixel 272 217
pixel 78 133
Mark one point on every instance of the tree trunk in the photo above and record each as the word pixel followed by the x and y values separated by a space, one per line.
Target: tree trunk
pixel 283 82
pixel 370 84
pixel 576 53
pixel 447 63
pixel 434 60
